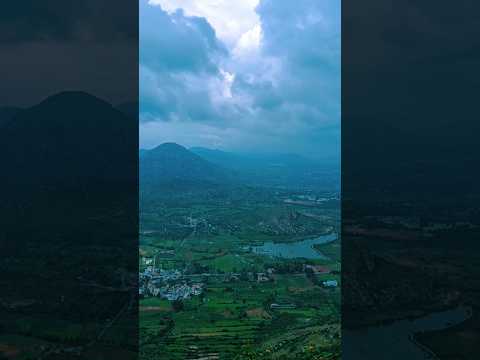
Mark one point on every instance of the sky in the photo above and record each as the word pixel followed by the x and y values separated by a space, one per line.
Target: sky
pixel 52 46
pixel 251 76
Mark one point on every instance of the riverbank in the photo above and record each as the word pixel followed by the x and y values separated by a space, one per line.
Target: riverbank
pixel 300 249
pixel 398 339
pixel 459 341
pixel 384 319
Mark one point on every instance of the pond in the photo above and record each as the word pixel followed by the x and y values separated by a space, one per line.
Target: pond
pixel 299 249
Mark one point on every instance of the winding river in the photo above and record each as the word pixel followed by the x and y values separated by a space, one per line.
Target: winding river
pixel 395 341
pixel 299 249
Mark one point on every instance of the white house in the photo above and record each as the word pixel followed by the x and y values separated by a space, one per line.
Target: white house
pixel 330 283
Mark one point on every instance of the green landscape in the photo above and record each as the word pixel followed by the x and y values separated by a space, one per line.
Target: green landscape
pixel 228 270
pixel 239 137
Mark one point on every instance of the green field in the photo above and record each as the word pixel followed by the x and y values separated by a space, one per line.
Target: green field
pixel 211 241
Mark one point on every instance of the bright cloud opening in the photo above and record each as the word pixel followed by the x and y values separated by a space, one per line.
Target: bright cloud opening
pixel 232 20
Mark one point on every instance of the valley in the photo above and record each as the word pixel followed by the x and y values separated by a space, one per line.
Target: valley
pixel 208 292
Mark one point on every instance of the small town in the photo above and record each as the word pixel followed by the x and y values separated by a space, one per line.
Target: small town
pixel 167 284
pixel 175 285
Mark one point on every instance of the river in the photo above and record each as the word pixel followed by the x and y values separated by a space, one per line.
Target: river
pixel 395 341
pixel 299 249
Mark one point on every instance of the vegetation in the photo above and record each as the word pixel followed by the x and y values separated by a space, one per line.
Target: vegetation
pixel 209 235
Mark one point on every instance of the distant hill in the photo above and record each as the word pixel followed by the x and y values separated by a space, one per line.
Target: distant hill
pixel 170 163
pixel 289 170
pixel 142 152
pixel 252 161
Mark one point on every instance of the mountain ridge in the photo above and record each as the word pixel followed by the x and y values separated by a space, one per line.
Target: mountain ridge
pixel 170 162
pixel 62 141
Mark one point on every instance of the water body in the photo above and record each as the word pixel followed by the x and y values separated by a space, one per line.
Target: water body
pixel 395 341
pixel 299 249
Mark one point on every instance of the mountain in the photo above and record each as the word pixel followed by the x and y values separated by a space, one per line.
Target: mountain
pixel 241 161
pixel 69 210
pixel 7 113
pixel 222 158
pixel 68 140
pixel 129 108
pixel 66 163
pixel 290 170
pixel 171 163
pixel 142 152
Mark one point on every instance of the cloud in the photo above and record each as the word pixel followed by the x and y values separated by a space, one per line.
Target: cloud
pixel 303 39
pixel 176 42
pixel 275 88
pixel 230 19
pixel 59 20
pixel 180 69
pixel 56 45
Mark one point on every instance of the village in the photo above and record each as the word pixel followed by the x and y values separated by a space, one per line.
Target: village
pixel 176 285
pixel 167 284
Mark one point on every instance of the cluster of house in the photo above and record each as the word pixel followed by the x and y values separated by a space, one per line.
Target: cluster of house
pixel 175 291
pixel 160 275
pixel 166 284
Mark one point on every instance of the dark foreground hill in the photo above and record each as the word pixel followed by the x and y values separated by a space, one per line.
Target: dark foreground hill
pixel 65 161
pixel 69 139
pixel 69 210
pixel 7 113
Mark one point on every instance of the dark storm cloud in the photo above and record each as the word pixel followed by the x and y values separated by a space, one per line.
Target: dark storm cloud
pixel 301 100
pixel 59 20
pixel 178 57
pixel 175 42
pixel 52 46
pixel 410 86
pixel 423 44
